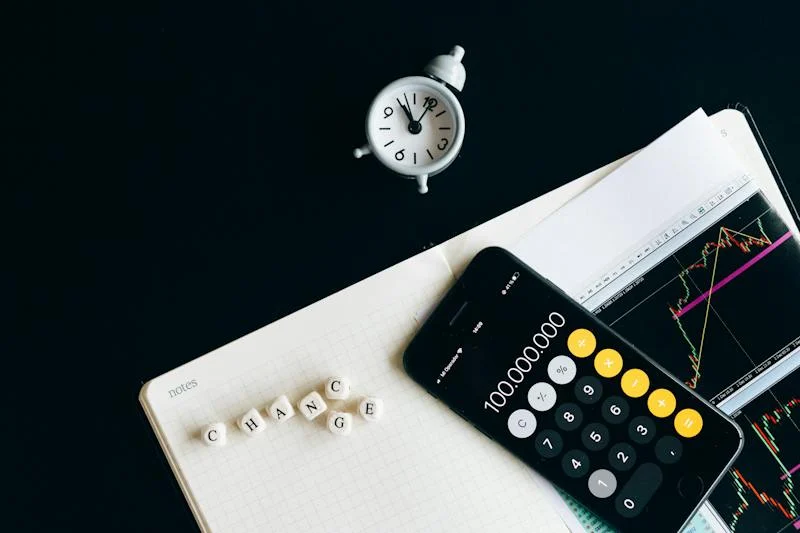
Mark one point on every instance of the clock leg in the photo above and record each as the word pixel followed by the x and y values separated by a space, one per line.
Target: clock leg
pixel 422 181
pixel 364 150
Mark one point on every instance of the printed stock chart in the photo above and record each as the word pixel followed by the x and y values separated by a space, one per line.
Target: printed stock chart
pixel 716 314
pixel 760 493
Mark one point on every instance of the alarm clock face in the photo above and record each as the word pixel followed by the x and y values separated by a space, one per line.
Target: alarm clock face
pixel 415 126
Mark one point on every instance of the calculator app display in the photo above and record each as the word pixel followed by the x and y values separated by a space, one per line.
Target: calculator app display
pixel 546 380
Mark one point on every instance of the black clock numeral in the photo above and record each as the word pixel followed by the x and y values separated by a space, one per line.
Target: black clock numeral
pixel 429 153
pixel 442 112
pixel 442 145
pixel 441 127
pixel 415 158
pixel 387 112
pixel 415 98
pixel 399 155
pixel 387 128
pixel 430 102
pixel 387 144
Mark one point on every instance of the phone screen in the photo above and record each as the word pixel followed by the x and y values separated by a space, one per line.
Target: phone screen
pixel 545 379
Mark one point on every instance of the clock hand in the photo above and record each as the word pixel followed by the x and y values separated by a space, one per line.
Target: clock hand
pixel 427 108
pixel 406 111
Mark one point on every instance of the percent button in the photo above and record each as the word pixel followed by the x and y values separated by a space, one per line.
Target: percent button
pixel 561 369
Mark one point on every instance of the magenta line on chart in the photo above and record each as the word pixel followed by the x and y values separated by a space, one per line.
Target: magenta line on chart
pixel 736 273
pixel 792 471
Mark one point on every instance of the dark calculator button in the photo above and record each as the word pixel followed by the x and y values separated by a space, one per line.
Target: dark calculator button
pixel 642 429
pixel 638 491
pixel 548 443
pixel 569 416
pixel 588 390
pixel 575 463
pixel 594 437
pixel 669 450
pixel 622 456
pixel 615 410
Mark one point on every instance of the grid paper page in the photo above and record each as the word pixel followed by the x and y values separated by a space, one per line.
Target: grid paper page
pixel 421 468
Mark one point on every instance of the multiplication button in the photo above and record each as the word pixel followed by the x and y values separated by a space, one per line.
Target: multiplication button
pixel 568 416
pixel 561 369
pixel 608 363
pixel 548 443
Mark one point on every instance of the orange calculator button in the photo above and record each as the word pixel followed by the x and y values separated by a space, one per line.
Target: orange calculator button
pixel 581 343
pixel 635 383
pixel 661 403
pixel 688 423
pixel 608 363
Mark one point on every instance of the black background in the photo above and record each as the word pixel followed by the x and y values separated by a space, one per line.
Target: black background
pixel 181 174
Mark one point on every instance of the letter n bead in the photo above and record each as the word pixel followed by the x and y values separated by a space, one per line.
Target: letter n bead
pixel 312 405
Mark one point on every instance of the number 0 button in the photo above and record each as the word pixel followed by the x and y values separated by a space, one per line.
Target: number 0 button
pixel 569 416
pixel 548 443
pixel 575 463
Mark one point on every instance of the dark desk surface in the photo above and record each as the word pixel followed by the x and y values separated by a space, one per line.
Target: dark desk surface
pixel 185 176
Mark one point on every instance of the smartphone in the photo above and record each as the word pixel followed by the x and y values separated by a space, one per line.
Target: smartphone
pixel 544 378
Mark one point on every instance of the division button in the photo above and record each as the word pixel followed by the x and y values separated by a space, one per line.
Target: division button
pixel 522 423
pixel 602 483
pixel 642 430
pixel 635 383
pixel 548 443
pixel 575 463
pixel 638 491
pixel 669 450
pixel 688 423
pixel 622 456
pixel 561 369
pixel 608 363
pixel 542 396
pixel 588 390
pixel 568 416
pixel 581 343
pixel 661 403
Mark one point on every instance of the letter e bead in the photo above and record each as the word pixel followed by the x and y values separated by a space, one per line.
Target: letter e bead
pixel 371 408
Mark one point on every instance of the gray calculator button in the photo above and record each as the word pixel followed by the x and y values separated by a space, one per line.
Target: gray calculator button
pixel 602 483
pixel 522 423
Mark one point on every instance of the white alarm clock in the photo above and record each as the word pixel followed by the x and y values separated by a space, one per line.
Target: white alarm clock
pixel 415 126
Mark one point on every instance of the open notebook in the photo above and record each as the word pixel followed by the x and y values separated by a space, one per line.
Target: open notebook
pixel 419 468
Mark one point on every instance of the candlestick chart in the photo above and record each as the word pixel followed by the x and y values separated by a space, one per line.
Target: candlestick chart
pixel 717 312
pixel 760 493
